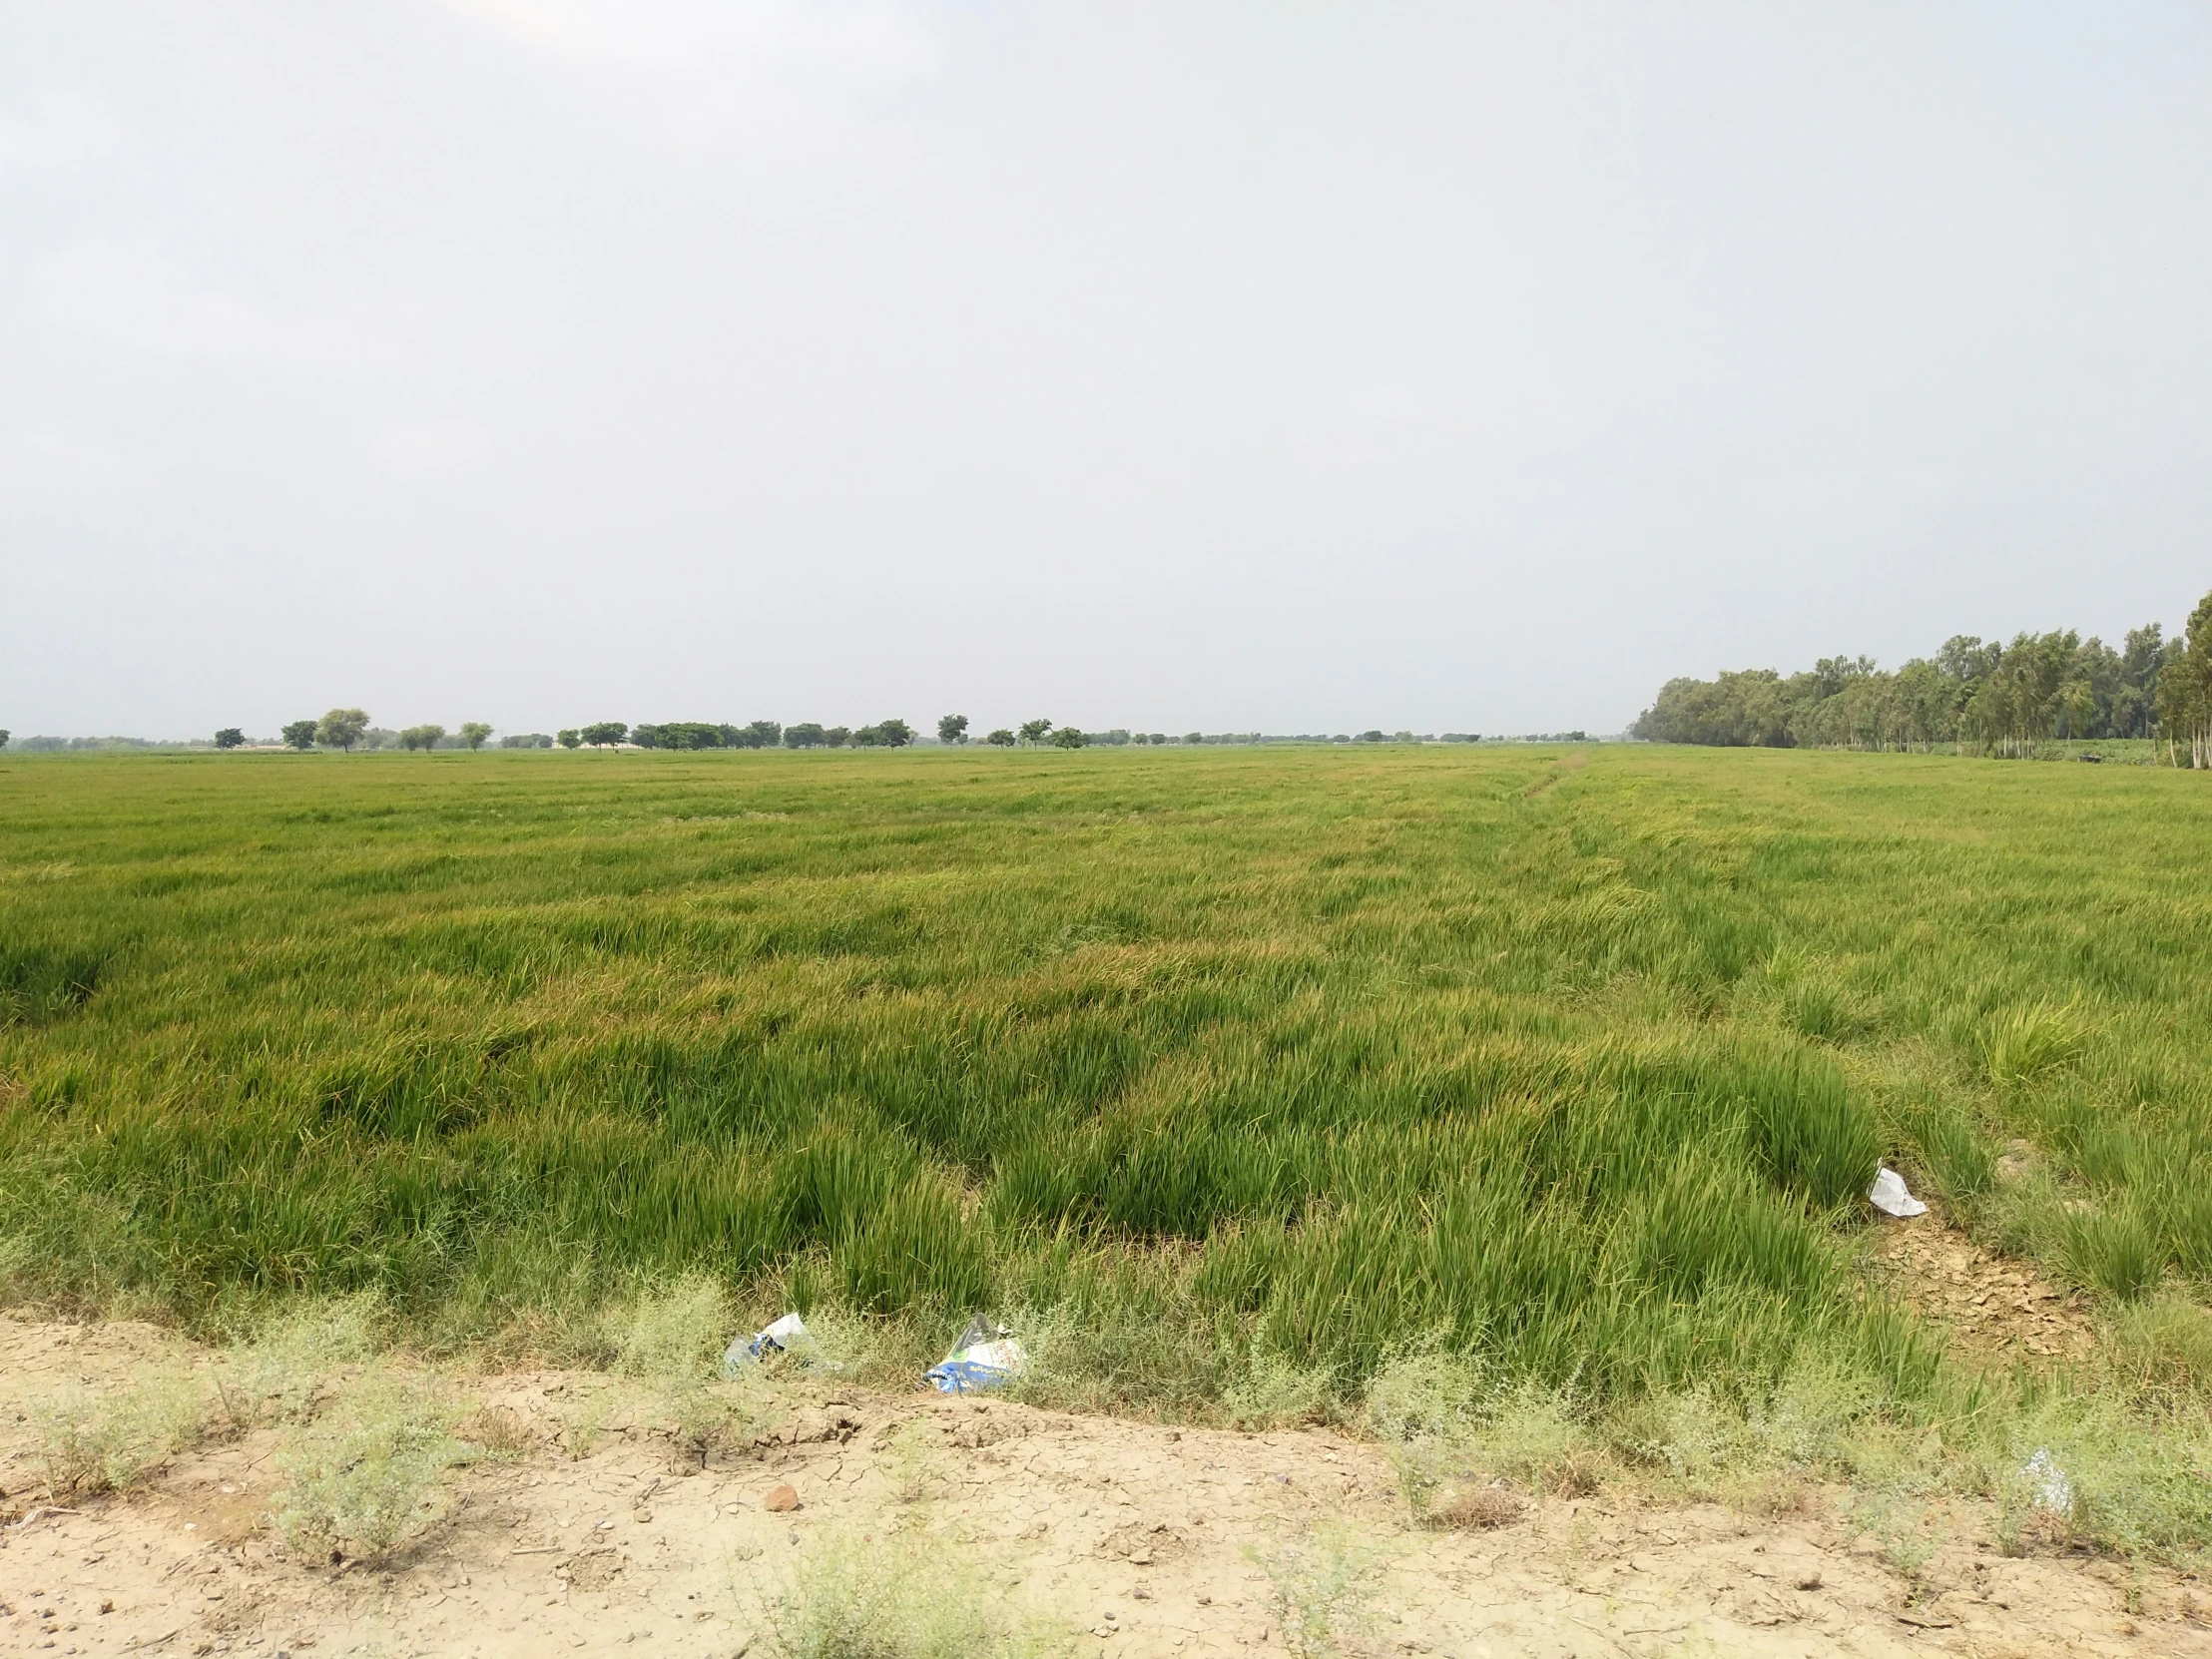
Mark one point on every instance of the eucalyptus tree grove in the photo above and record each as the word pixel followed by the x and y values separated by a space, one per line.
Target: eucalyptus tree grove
pixel 1972 694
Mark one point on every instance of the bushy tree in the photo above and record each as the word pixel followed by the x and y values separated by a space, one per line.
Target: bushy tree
pixel 572 738
pixel 3 737
pixel 953 729
pixel 885 733
pixel 836 737
pixel 1002 737
pixel 1068 736
pixel 807 734
pixel 228 737
pixel 422 737
pixel 299 733
pixel 685 734
pixel 341 727
pixel 1033 731
pixel 474 731
pixel 763 733
pixel 525 740
pixel 605 734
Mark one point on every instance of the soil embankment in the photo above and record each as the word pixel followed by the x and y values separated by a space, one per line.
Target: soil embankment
pixel 1137 1540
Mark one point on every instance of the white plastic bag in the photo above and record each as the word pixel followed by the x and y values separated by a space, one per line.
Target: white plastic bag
pixel 2052 1490
pixel 1889 1195
pixel 785 1332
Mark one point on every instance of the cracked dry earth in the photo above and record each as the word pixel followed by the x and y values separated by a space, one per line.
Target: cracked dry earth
pixel 1992 1308
pixel 1135 1540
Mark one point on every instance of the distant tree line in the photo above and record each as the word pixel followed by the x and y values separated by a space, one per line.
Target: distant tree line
pixel 351 729
pixel 1972 694
pixel 761 733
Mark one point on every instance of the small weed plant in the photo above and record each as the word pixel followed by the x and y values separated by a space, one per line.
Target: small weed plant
pixel 902 1597
pixel 111 1441
pixel 366 1478
pixel 1321 1590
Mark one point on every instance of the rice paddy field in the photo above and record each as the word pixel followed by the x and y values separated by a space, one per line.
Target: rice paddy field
pixel 1234 1070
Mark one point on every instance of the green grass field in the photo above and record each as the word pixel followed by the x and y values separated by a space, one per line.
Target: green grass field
pixel 1228 1064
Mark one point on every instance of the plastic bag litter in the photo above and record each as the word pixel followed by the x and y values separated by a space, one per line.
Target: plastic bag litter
pixel 987 1356
pixel 1889 1195
pixel 785 1332
pixel 2052 1490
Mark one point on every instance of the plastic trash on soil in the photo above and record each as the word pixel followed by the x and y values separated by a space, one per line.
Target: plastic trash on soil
pixel 987 1356
pixel 2051 1489
pixel 785 1332
pixel 1889 1195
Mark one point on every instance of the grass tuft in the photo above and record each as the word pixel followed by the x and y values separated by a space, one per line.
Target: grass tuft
pixel 892 1598
pixel 110 1443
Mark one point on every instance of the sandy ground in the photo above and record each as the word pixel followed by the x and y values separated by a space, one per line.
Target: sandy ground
pixel 1136 1539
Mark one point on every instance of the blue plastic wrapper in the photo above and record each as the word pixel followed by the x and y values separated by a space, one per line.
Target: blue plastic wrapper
pixel 986 1358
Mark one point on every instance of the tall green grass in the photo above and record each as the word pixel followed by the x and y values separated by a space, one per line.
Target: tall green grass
pixel 1579 1062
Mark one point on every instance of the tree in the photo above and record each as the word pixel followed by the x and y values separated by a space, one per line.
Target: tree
pixel 605 734
pixel 2135 704
pixel 228 737
pixel 1033 731
pixel 763 733
pixel 836 737
pixel 3 738
pixel 953 729
pixel 341 727
pixel 1068 736
pixel 683 734
pixel 2185 689
pixel 525 740
pixel 474 731
pixel 1200 736
pixel 893 734
pixel 571 739
pixel 1002 739
pixel 422 737
pixel 807 734
pixel 300 734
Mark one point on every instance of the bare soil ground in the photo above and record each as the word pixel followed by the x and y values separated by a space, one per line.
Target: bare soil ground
pixel 1135 1538
pixel 1994 1308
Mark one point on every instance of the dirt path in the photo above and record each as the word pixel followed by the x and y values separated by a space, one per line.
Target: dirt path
pixel 1137 1540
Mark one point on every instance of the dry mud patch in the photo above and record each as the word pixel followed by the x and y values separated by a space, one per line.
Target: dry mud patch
pixel 1991 1305
pixel 1131 1537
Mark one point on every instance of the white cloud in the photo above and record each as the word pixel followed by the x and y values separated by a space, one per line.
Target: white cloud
pixel 128 294
pixel 705 69
pixel 63 125
pixel 429 449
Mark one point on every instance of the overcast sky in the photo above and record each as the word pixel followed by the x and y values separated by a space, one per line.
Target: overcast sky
pixel 1279 366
